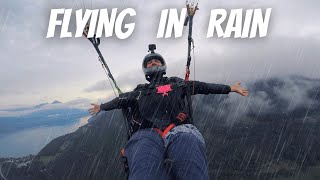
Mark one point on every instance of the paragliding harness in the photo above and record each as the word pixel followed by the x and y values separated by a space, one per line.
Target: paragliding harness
pixel 132 125
pixel 183 117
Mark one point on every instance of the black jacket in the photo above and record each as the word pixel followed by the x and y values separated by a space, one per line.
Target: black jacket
pixel 157 104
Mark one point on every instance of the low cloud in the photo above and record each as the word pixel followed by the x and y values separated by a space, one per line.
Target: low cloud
pixel 20 111
pixel 295 97
pixel 98 86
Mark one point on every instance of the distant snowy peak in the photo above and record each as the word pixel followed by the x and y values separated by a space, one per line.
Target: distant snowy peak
pixel 43 104
pixel 56 102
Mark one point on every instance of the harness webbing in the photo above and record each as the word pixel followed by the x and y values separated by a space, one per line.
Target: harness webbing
pixel 96 42
pixel 189 21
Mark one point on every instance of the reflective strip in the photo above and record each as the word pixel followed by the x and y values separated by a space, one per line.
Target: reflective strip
pixel 182 116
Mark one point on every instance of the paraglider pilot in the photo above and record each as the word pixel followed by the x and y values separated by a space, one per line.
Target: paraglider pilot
pixel 161 124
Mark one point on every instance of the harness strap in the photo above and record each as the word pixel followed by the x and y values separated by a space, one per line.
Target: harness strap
pixel 161 133
pixel 122 152
pixel 165 132
pixel 125 163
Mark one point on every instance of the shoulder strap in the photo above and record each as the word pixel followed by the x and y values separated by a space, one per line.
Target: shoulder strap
pixel 189 101
pixel 186 84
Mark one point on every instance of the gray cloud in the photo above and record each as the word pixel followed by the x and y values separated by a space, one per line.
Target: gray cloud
pixel 227 63
pixel 82 103
pixel 126 81
pixel 99 86
pixel 294 97
pixel 49 67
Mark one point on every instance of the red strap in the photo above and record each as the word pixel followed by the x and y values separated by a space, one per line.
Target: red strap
pixel 167 130
pixel 163 134
pixel 122 152
pixel 186 78
pixel 158 131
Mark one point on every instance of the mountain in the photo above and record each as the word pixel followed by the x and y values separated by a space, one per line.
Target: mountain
pixel 43 104
pixel 273 134
pixel 56 102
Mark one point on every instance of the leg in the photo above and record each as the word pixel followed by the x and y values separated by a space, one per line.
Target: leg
pixel 186 150
pixel 145 154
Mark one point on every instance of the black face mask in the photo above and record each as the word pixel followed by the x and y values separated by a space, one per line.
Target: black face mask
pixel 155 78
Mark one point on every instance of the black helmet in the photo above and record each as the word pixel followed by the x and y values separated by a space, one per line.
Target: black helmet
pixel 153 70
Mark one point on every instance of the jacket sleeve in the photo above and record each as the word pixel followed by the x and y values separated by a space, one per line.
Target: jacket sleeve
pixel 197 87
pixel 117 103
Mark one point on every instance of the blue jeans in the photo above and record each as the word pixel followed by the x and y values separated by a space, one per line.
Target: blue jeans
pixel 179 155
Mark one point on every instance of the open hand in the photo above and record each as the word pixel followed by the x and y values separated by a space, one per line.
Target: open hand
pixel 95 109
pixel 238 89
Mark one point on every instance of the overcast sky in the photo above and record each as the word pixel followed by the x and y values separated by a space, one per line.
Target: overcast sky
pixel 35 70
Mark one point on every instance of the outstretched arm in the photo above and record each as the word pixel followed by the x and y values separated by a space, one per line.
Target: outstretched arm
pixel 197 87
pixel 123 100
pixel 114 104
